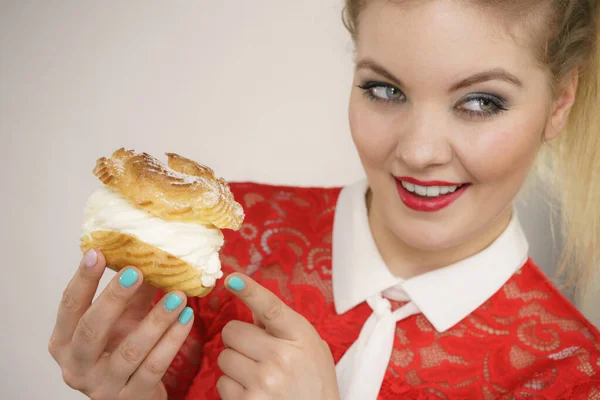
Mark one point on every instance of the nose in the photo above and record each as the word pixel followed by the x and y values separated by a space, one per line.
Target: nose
pixel 423 141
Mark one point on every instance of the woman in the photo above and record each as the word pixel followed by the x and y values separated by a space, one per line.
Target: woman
pixel 413 284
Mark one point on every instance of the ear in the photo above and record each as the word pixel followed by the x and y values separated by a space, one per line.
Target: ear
pixel 562 105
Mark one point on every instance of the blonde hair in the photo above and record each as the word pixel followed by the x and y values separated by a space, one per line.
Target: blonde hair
pixel 568 40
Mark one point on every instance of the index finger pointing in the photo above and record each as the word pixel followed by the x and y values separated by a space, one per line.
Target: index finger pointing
pixel 279 319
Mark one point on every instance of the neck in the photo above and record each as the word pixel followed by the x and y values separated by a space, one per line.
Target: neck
pixel 406 262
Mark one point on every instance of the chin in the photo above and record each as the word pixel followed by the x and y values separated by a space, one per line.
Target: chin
pixel 426 238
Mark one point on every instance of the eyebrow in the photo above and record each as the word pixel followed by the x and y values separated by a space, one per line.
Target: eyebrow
pixel 378 69
pixel 493 74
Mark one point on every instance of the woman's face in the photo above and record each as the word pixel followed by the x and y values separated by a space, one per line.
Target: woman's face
pixel 447 113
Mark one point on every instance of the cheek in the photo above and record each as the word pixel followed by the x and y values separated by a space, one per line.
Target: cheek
pixel 372 133
pixel 500 155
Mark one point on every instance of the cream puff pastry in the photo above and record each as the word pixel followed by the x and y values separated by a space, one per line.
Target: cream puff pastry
pixel 164 220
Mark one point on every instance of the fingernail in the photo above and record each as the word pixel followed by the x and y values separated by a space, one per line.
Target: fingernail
pixel 236 283
pixel 172 302
pixel 186 315
pixel 128 278
pixel 90 259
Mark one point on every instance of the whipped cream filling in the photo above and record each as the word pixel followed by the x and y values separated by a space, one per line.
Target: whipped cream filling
pixel 107 210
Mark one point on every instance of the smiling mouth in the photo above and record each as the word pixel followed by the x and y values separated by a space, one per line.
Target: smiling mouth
pixel 429 196
pixel 431 191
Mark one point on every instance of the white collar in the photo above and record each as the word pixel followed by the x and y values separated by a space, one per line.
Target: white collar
pixel 446 295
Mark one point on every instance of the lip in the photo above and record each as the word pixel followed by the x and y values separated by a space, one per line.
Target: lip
pixel 428 204
pixel 426 183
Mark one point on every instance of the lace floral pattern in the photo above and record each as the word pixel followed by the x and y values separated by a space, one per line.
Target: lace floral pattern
pixel 526 342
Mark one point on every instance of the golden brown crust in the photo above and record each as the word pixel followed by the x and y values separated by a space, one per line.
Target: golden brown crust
pixel 160 268
pixel 185 191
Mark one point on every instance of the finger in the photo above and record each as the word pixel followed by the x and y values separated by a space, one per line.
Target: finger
pixel 130 353
pixel 93 327
pixel 257 321
pixel 156 363
pixel 238 367
pixel 77 297
pixel 229 389
pixel 279 319
pixel 143 297
pixel 248 339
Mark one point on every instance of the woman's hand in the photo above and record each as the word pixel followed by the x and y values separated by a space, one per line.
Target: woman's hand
pixel 114 348
pixel 282 358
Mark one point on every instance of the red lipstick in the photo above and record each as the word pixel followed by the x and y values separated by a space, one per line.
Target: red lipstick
pixel 428 204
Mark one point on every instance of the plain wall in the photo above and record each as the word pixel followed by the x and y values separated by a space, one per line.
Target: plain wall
pixel 257 90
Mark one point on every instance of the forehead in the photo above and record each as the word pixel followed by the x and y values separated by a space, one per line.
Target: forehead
pixel 438 38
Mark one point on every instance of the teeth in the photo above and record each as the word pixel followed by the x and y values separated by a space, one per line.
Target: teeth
pixel 429 191
pixel 433 191
pixel 421 190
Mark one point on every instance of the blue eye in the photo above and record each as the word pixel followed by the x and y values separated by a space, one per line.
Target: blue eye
pixel 482 105
pixel 386 93
pixel 474 105
pixel 379 91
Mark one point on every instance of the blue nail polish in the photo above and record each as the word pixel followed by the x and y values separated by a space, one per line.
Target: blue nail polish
pixel 236 283
pixel 172 302
pixel 186 315
pixel 128 277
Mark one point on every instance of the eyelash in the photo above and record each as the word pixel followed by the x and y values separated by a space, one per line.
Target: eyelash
pixel 498 102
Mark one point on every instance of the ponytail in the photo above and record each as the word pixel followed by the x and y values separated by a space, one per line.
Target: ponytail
pixel 574 157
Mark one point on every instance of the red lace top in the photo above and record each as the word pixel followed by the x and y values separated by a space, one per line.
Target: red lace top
pixel 526 342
